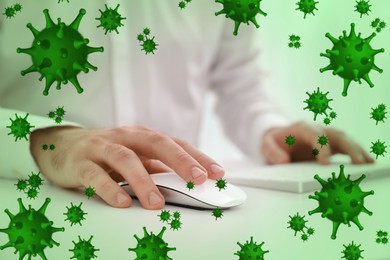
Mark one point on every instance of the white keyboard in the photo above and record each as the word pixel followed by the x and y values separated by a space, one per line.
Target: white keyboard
pixel 299 177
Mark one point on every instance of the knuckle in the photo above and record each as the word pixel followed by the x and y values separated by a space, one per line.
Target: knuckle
pixel 119 152
pixel 182 157
pixel 87 174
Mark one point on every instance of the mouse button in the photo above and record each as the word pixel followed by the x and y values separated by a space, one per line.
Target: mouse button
pixel 175 197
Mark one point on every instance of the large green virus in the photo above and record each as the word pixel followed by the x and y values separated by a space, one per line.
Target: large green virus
pixel 59 52
pixel 340 200
pixel 351 58
pixel 20 127
pixel 241 11
pixel 110 19
pixel 83 250
pixel 352 252
pixel 75 214
pixel 318 103
pixel 251 250
pixel 362 7
pixel 307 7
pixel 152 246
pixel 30 231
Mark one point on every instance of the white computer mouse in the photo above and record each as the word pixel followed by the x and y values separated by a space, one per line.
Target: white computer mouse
pixel 205 195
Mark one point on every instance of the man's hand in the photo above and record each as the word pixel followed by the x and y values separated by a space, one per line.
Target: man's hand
pixel 276 151
pixel 102 157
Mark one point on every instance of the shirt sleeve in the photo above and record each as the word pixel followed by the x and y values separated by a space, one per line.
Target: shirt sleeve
pixel 245 104
pixel 16 161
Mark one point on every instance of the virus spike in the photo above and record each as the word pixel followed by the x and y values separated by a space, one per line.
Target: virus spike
pixel 49 21
pixel 78 66
pixel 76 84
pixel 42 210
pixel 60 32
pixel 316 210
pixel 368 80
pixel 328 212
pixel 76 23
pixel 30 69
pixel 366 210
pixel 32 29
pixel 90 66
pixel 320 180
pixel 49 81
pixel 334 229
pixel 10 215
pixel 331 38
pixel 329 67
pixel 94 49
pixel 338 70
pixel 346 85
pixel 357 223
pixel 80 43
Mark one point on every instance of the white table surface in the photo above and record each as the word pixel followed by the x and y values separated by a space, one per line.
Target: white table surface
pixel 264 216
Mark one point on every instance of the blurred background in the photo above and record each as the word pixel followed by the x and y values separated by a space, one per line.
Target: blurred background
pixel 292 72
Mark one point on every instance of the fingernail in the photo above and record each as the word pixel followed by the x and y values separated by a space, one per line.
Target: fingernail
pixel 196 172
pixel 121 198
pixel 154 198
pixel 215 168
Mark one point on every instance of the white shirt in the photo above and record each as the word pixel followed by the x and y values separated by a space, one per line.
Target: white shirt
pixel 165 91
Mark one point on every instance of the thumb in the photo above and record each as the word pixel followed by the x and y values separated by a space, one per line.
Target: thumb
pixel 273 153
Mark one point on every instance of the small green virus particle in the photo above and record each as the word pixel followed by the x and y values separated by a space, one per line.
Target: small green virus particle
pixel 58 120
pixel 152 246
pixel 60 111
pixel 362 7
pixel 382 237
pixel 89 191
pixel 352 252
pixel 30 231
pixel 18 7
pixel 51 114
pixel 290 140
pixel 379 113
pixel 52 147
pixel 175 224
pixel 241 11
pixel 148 44
pixel 217 213
pixel 340 200
pixel 183 4
pixel 165 216
pixel 32 193
pixel 378 148
pixel 326 121
pixel 83 250
pixel 221 184
pixel 381 233
pixel 315 152
pixel 294 41
pixel 318 103
pixel 176 215
pixel 35 180
pixel 190 185
pixel 45 147
pixel 310 231
pixel 59 52
pixel 378 25
pixel 20 127
pixel 332 115
pixel 307 7
pixel 110 19
pixel 304 237
pixel 21 185
pixel 62 1
pixel 351 58
pixel 9 12
pixel 385 240
pixel 75 214
pixel 251 250
pixel 322 140
pixel 297 223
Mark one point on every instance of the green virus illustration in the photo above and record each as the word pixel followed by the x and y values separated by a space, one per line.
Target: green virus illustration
pixel 59 52
pixel 315 152
pixel 290 140
pixel 251 250
pixel 89 192
pixel 294 41
pixel 304 237
pixel 20 127
pixel 175 224
pixel 352 252
pixel 327 121
pixel 62 1
pixel 378 25
pixel 183 4
pixel 9 12
pixel 362 7
pixel 45 147
pixel 148 44
pixel 318 103
pixel 35 180
pixel 340 200
pixel 190 185
pixel 382 237
pixel 241 11
pixel 333 115
pixel 110 19
pixel 30 231
pixel 220 184
pixel 152 246
pixel 83 249
pixel 217 213
pixel 52 147
pixel 351 58
pixel 322 140
pixel 21 185
pixel 18 7
pixel 75 214
pixel 32 193
pixel 176 215
pixel 165 216
pixel 378 148
pixel 310 231
pixel 297 223
pixel 379 113
pixel 57 115
pixel 307 7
